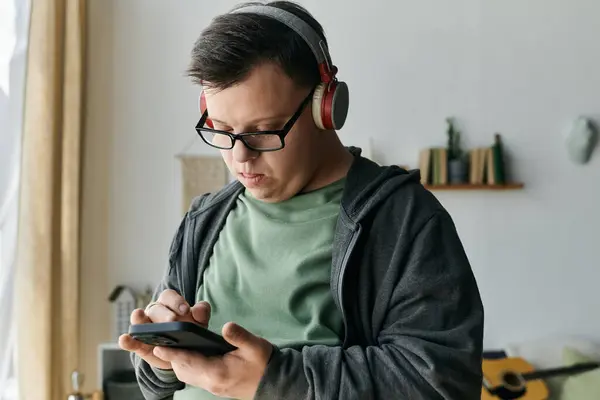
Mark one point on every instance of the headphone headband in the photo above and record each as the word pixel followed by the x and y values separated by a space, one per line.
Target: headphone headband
pixel 306 32
pixel 330 98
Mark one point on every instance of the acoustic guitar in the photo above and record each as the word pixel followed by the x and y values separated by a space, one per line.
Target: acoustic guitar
pixel 514 378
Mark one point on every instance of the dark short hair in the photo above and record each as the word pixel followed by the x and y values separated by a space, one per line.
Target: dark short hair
pixel 233 44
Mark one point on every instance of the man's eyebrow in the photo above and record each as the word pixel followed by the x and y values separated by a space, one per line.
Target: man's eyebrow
pixel 258 121
pixel 216 120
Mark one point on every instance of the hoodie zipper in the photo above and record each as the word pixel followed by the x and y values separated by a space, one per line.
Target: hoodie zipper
pixel 347 254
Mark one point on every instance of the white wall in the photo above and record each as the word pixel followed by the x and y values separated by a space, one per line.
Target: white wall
pixel 524 70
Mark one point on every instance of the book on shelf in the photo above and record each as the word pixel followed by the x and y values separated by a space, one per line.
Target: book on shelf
pixel 433 164
pixel 424 166
pixel 486 165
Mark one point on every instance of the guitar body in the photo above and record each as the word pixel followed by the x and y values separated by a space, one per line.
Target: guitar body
pixel 493 371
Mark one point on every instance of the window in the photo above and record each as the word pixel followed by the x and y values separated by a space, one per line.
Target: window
pixel 7 40
pixel 14 20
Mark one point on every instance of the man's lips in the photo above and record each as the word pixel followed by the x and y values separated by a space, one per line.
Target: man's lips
pixel 250 176
pixel 251 180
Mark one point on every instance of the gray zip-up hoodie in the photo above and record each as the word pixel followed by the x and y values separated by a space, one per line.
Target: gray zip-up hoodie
pixel 412 311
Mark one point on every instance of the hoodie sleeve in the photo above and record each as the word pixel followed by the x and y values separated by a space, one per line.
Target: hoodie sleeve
pixel 428 347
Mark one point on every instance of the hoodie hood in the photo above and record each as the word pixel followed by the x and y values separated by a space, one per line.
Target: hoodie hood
pixel 368 184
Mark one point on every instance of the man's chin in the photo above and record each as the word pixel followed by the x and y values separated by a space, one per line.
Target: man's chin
pixel 261 194
pixel 267 195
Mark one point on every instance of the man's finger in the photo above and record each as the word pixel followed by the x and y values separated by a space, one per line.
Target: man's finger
pixel 128 343
pixel 185 358
pixel 174 301
pixel 138 316
pixel 201 313
pixel 160 313
pixel 170 354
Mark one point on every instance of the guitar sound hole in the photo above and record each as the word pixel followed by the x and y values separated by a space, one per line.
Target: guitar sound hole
pixel 512 379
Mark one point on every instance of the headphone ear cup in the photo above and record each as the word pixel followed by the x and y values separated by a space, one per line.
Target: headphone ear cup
pixel 330 105
pixel 335 105
pixel 317 103
pixel 202 107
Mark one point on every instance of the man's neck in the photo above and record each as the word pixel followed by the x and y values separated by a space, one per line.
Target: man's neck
pixel 335 163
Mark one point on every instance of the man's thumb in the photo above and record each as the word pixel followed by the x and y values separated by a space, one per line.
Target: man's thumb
pixel 239 337
pixel 201 313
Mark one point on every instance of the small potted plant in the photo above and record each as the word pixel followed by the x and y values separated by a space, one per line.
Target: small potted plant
pixel 457 162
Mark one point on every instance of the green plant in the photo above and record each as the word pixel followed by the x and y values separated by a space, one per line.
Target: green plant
pixel 454 150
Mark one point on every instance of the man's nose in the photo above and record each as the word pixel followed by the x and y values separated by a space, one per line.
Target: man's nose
pixel 241 153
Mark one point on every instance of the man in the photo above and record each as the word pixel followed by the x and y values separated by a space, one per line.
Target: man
pixel 334 277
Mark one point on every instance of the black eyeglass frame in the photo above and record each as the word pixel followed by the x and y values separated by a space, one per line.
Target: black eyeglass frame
pixel 281 133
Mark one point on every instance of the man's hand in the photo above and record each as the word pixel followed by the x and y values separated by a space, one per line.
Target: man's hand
pixel 169 307
pixel 234 375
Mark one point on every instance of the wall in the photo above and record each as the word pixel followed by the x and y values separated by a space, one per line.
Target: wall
pixel 525 72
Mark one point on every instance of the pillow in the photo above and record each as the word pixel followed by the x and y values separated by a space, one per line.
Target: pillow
pixel 584 386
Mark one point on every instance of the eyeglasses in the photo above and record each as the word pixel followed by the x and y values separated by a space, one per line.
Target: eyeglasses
pixel 257 141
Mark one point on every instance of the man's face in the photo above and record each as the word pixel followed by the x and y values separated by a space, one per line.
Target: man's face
pixel 266 100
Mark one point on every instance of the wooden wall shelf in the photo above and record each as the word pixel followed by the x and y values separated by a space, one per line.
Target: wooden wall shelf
pixel 467 186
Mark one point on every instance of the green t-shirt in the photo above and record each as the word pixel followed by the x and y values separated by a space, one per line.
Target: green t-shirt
pixel 270 272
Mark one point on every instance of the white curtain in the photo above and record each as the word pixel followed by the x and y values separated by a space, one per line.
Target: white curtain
pixel 14 19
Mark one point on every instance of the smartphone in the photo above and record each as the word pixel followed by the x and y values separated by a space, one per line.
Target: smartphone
pixel 182 335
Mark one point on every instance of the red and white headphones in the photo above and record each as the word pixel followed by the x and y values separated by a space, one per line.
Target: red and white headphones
pixel 331 97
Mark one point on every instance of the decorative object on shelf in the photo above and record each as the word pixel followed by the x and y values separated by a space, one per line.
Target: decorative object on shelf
pixel 124 300
pixel 582 140
pixel 496 168
pixel 457 162
pixel 484 167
